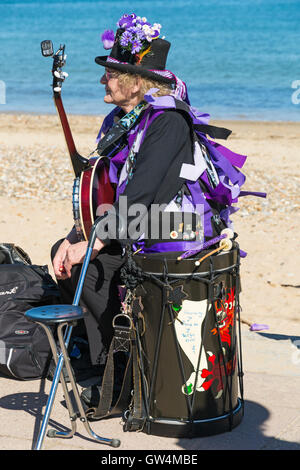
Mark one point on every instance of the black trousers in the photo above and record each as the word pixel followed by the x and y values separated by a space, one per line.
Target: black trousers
pixel 100 297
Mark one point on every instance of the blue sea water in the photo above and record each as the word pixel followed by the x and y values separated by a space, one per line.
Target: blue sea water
pixel 239 58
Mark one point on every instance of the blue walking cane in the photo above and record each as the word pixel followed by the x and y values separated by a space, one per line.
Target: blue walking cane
pixel 65 316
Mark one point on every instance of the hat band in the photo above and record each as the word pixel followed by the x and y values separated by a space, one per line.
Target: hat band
pixel 111 59
pixel 163 73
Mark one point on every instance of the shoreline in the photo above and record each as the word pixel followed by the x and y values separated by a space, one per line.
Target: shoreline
pixel 100 115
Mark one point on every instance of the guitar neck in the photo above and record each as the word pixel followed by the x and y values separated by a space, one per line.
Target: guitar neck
pixel 79 163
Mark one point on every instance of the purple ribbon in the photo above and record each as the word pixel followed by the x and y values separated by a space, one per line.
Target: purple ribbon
pixel 258 327
pixel 169 246
pixel 203 246
pixel 235 158
pixel 253 193
pixel 199 199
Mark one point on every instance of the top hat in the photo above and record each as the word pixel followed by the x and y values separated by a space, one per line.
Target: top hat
pixel 137 49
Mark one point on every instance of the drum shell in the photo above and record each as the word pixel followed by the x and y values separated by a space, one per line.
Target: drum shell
pixel 167 365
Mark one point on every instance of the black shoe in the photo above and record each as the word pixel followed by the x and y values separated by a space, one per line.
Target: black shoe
pixel 91 395
pixel 90 400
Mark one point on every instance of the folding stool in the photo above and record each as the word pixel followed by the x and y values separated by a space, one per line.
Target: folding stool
pixel 65 316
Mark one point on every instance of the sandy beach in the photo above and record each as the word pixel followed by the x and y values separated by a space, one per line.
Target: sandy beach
pixel 36 189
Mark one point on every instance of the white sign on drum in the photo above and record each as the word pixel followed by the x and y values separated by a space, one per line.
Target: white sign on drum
pixel 188 331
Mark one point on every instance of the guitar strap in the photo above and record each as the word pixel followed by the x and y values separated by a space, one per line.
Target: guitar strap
pixel 120 128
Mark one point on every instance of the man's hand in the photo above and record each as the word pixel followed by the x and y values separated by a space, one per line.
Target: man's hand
pixel 58 260
pixel 70 254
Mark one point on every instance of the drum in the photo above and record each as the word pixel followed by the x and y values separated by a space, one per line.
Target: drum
pixel 190 343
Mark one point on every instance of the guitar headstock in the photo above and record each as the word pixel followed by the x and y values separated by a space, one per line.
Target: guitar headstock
pixel 59 60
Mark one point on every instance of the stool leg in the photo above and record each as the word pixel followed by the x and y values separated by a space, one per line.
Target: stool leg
pixel 83 418
pixel 55 381
pixel 72 414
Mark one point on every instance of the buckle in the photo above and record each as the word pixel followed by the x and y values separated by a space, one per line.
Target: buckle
pixel 123 333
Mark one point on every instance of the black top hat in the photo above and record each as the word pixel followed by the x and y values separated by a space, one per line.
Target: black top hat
pixel 150 63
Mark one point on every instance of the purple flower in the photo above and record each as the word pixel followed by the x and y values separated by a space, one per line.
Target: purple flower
pixel 126 38
pixel 132 29
pixel 136 46
pixel 140 34
pixel 136 32
pixel 108 39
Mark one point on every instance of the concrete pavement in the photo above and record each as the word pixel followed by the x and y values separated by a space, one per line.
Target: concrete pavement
pixel 271 364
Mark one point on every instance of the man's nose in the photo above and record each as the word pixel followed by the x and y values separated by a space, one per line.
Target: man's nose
pixel 103 79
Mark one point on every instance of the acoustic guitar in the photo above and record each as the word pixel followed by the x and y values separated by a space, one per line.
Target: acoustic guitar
pixel 93 193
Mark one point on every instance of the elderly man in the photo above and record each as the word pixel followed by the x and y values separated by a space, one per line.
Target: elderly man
pixel 146 170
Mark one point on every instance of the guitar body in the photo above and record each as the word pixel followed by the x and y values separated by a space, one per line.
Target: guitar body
pixel 96 194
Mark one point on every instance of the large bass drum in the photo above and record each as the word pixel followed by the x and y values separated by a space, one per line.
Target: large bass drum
pixel 190 344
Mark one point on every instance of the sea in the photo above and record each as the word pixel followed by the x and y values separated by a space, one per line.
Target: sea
pixel 240 59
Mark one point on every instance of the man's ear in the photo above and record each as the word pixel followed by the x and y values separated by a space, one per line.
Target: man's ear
pixel 136 87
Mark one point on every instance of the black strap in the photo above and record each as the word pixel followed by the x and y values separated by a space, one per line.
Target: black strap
pixel 136 415
pixel 110 139
pixel 213 131
pixel 120 128
pixel 121 342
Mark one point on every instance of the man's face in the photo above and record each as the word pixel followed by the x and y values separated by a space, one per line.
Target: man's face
pixel 114 94
pixel 126 97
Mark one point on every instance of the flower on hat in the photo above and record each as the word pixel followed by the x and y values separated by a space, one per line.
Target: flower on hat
pixel 137 34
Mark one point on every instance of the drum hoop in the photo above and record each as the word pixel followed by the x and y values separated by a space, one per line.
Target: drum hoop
pixel 175 422
pixel 189 275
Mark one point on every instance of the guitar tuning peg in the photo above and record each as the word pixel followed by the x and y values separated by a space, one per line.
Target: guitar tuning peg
pixel 57 74
pixel 57 88
pixel 65 74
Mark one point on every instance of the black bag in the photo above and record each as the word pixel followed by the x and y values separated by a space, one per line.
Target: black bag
pixel 12 254
pixel 24 347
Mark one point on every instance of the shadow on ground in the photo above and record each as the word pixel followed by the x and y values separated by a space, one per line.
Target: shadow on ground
pixel 249 435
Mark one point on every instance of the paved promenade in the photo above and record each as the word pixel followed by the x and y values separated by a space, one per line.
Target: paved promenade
pixel 271 364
